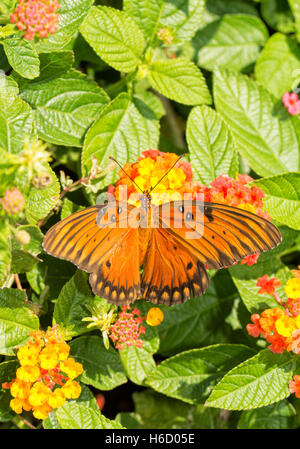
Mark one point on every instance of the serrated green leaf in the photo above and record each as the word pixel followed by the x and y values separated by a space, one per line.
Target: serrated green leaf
pixel 180 80
pixel 71 305
pixel 278 61
pixel 76 416
pixel 52 65
pixel 22 56
pixel 234 41
pixel 40 201
pixel 16 119
pixel 16 320
pixel 211 147
pixel 102 368
pixel 147 14
pixel 257 382
pixel 114 36
pixel 191 375
pixel 282 199
pixel 71 15
pixel 183 16
pixel 120 131
pixel 276 416
pixel 65 106
pixel 268 138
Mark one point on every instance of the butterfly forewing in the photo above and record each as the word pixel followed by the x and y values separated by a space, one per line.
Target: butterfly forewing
pixel 221 235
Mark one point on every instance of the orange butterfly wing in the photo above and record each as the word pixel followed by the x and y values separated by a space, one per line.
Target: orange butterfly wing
pixel 171 272
pixel 97 240
pixel 221 234
pixel 173 265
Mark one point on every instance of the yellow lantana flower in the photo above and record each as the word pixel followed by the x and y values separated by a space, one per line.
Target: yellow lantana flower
pixel 71 368
pixel 285 326
pixel 292 288
pixel 28 373
pixel 71 389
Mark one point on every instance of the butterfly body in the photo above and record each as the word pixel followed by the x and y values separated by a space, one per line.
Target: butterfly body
pixel 172 243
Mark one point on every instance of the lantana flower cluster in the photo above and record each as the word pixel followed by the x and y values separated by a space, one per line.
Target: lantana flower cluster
pixel 152 165
pixel 127 328
pixel 36 17
pixel 280 326
pixel 45 378
pixel 13 201
pixel 291 103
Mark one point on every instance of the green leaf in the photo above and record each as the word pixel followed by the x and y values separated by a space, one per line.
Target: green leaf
pixel 257 382
pixel 5 251
pixel 245 279
pixel 71 15
pixel 34 247
pixel 77 416
pixel 22 56
pixel 69 208
pixel 278 15
pixel 9 164
pixel 211 146
pixel 8 85
pixel 15 122
pixel 41 201
pixel 120 131
pixel 22 261
pixel 114 36
pixel 216 9
pixel 180 80
pixel 191 375
pixel 183 16
pixel 282 199
pixel 52 65
pixel 147 14
pixel 7 374
pixel 86 399
pixel 64 106
pixel 195 323
pixel 138 362
pixel 278 61
pixel 70 306
pixel 276 416
pixel 16 320
pixel 295 7
pixel 268 138
pixel 234 41
pixel 102 367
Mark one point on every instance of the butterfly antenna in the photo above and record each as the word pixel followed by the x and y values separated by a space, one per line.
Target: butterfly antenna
pixel 113 159
pixel 180 157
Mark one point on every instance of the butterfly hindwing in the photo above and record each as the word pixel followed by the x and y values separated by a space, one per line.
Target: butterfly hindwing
pixel 171 273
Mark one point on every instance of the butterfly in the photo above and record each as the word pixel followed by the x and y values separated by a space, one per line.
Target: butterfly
pixel 143 252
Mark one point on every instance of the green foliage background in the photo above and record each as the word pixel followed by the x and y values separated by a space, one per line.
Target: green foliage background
pixel 105 85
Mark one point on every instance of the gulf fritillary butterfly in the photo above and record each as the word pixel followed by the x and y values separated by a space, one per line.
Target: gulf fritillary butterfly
pixel 99 240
